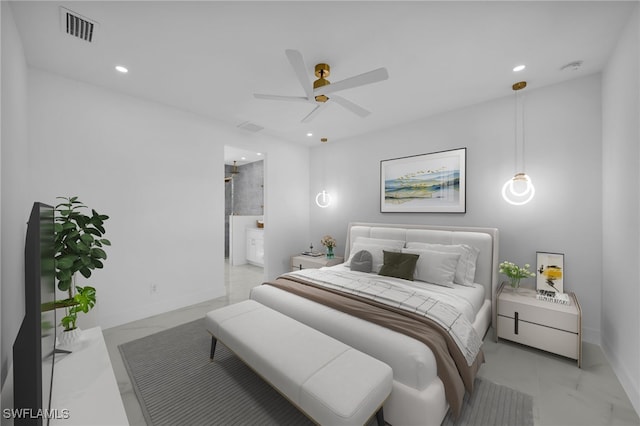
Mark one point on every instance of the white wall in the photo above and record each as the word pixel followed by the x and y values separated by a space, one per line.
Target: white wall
pixel 563 147
pixel 158 172
pixel 286 214
pixel 153 170
pixel 15 201
pixel 621 209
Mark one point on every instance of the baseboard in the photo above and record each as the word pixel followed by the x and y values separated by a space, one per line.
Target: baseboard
pixel 632 389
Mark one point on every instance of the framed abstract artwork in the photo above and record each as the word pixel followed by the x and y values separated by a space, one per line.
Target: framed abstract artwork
pixel 426 183
pixel 549 271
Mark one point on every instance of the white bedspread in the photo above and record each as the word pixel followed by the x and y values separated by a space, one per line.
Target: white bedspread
pixel 467 299
pixel 455 314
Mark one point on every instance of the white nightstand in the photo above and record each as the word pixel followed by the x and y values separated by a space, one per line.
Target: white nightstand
pixel 310 262
pixel 549 326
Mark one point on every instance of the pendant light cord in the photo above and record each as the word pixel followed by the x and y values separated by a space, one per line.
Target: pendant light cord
pixel 515 133
pixel 523 156
pixel 519 190
pixel 519 134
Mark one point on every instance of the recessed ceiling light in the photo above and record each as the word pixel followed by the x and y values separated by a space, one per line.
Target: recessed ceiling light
pixel 258 153
pixel 309 134
pixel 518 68
pixel 243 158
pixel 121 69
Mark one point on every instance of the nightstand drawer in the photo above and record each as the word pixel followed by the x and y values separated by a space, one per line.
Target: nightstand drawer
pixel 300 262
pixel 546 338
pixel 553 316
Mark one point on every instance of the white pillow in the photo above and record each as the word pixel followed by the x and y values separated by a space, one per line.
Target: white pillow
pixel 435 267
pixel 376 253
pixel 466 269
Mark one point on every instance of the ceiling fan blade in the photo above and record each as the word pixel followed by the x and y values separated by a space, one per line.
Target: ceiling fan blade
pixel 358 80
pixel 354 108
pixel 281 98
pixel 297 63
pixel 315 112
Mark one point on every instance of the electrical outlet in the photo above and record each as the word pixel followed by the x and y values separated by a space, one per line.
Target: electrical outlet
pixel 153 288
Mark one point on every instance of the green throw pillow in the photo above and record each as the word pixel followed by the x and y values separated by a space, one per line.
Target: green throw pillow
pixel 399 265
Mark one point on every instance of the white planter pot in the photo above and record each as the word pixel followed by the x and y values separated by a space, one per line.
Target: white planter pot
pixel 69 338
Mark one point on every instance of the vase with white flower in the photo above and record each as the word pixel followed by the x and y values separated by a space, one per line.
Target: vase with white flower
pixel 329 242
pixel 515 273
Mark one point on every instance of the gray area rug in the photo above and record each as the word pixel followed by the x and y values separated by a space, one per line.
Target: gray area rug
pixel 493 404
pixel 176 384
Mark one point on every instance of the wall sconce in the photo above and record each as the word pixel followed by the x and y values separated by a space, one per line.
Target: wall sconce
pixel 519 189
pixel 323 199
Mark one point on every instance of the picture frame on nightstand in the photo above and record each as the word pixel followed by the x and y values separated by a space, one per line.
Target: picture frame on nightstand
pixel 550 271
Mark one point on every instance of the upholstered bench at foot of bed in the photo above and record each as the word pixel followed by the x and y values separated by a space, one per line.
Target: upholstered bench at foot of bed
pixel 329 381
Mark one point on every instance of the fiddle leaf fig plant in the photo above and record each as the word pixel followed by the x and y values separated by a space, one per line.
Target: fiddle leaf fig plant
pixel 79 246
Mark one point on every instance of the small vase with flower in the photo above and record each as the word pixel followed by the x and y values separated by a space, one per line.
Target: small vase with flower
pixel 515 273
pixel 329 242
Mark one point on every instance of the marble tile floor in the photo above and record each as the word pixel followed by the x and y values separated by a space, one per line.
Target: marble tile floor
pixel 563 394
pixel 239 280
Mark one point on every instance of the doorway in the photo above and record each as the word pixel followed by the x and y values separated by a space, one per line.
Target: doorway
pixel 244 207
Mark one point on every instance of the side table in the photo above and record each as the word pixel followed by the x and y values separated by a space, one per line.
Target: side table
pixel 549 326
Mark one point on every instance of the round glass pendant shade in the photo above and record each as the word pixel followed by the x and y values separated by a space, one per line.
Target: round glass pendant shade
pixel 518 190
pixel 323 199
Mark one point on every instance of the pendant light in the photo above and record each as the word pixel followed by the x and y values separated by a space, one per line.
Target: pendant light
pixel 323 198
pixel 519 189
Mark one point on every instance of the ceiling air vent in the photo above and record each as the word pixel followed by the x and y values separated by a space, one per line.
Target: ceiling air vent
pixel 250 126
pixel 77 25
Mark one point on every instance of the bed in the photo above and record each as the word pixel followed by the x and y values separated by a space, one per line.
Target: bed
pixel 422 390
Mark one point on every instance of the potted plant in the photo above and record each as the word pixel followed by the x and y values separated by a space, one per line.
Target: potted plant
pixel 78 247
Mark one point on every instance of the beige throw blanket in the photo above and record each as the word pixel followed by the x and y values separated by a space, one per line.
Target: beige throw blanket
pixel 452 367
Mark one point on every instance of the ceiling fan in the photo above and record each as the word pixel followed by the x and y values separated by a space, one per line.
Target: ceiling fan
pixel 317 94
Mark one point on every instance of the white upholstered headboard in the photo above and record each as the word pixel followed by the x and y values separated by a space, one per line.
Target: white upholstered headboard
pixel 484 239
